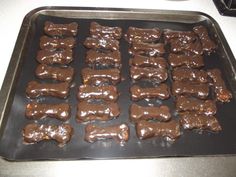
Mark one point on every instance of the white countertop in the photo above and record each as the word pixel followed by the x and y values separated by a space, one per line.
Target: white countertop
pixel 11 16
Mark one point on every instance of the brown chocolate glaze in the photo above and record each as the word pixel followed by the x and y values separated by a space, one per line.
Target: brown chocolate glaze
pixel 119 132
pixel 186 36
pixel 97 30
pixel 54 43
pixel 49 57
pixel 179 45
pixel 34 133
pixel 147 49
pixel 161 113
pixel 207 44
pixel 102 43
pixel 106 92
pixel 169 130
pixel 142 35
pixel 53 29
pixel 87 112
pixel 38 111
pixel 207 107
pixel 57 73
pixel 150 73
pixel 220 89
pixel 35 89
pixel 196 89
pixel 113 75
pixel 192 120
pixel 139 93
pixel 188 74
pixel 112 58
pixel 191 61
pixel 143 61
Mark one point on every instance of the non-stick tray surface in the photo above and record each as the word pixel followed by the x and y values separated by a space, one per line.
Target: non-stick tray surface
pixel 190 143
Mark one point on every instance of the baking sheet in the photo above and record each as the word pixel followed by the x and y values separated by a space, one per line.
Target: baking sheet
pixel 226 7
pixel 189 144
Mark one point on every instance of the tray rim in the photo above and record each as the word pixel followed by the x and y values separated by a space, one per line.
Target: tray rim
pixel 7 90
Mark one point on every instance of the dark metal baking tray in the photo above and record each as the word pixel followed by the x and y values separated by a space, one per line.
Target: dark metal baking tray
pixel 226 7
pixel 21 71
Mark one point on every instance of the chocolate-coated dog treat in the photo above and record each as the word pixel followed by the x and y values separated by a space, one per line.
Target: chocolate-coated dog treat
pixel 49 57
pixel 112 58
pixel 220 89
pixel 179 45
pixel 207 44
pixel 188 74
pixel 187 36
pixel 57 73
pixel 34 133
pixel 55 43
pixel 101 43
pixel 207 107
pixel 119 132
pixel 147 49
pixel 161 113
pixel 150 73
pixel 192 120
pixel 113 75
pixel 196 89
pixel 143 61
pixel 97 30
pixel 143 35
pixel 87 112
pixel 106 92
pixel 191 61
pixel 38 111
pixel 169 130
pixel 160 92
pixel 53 29
pixel 35 89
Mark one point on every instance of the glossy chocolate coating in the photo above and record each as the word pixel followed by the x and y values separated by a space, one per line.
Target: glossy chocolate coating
pixel 191 61
pixel 170 130
pixel 196 89
pixel 147 49
pixel 119 132
pixel 97 30
pixel 161 113
pixel 34 133
pixel 150 73
pixel 49 57
pixel 207 107
pixel 87 112
pixel 179 45
pixel 106 92
pixel 101 43
pixel 38 111
pixel 53 29
pixel 143 35
pixel 57 73
pixel 54 43
pixel 192 120
pixel 113 75
pixel 35 89
pixel 112 58
pixel 220 89
pixel 188 74
pixel 160 92
pixel 207 44
pixel 186 36
pixel 143 61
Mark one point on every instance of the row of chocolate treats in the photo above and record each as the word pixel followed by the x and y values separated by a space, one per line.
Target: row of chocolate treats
pixel 54 57
pixel 192 85
pixel 98 95
pixel 148 64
